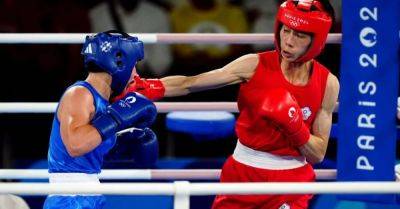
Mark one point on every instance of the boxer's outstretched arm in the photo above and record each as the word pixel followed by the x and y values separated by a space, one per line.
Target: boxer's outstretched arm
pixel 237 71
pixel 314 150
pixel 74 113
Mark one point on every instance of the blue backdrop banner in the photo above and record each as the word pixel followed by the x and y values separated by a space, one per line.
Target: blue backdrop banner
pixel 368 95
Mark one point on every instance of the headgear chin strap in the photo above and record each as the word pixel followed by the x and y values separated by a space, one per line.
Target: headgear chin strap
pixel 113 52
pixel 301 18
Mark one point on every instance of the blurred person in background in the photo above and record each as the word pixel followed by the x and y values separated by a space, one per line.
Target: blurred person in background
pixel 136 16
pixel 206 16
pixel 43 64
pixel 262 14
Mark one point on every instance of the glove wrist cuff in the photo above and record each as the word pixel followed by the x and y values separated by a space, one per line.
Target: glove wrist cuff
pixel 105 125
pixel 157 89
pixel 301 137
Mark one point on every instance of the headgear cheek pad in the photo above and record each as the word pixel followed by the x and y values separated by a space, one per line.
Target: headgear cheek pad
pixel 301 18
pixel 113 52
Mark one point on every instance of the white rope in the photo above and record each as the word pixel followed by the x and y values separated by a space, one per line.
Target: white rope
pixel 295 188
pixel 201 188
pixel 28 107
pixel 58 38
pixel 87 188
pixel 151 38
pixel 145 174
pixel 162 107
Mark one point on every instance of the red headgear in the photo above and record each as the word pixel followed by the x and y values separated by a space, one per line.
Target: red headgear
pixel 300 17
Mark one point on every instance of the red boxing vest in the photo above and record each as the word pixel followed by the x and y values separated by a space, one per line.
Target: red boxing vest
pixel 260 134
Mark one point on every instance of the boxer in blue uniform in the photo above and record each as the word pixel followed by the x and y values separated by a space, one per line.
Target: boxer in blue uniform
pixel 85 124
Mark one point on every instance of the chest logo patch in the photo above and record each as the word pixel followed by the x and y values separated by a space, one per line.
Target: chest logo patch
pixel 306 112
pixel 284 206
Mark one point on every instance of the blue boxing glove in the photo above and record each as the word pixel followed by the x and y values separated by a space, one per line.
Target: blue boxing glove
pixel 131 110
pixel 134 148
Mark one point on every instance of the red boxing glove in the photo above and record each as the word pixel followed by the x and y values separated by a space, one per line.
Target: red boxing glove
pixel 153 89
pixel 281 108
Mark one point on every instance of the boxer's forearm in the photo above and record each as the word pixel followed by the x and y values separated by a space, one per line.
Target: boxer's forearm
pixel 237 71
pixel 176 85
pixel 183 85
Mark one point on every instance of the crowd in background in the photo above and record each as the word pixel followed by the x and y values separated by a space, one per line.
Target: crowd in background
pixel 57 65
pixel 40 72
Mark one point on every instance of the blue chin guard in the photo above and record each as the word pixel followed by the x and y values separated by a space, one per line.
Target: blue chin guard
pixel 113 52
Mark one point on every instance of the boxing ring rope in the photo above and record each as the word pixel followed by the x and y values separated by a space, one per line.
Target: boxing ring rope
pixel 162 107
pixel 182 190
pixel 201 188
pixel 152 38
pixel 145 174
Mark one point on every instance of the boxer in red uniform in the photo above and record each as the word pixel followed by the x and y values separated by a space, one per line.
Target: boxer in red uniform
pixel 286 101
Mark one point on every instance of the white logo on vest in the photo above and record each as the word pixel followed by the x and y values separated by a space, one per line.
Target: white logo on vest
pixel 284 206
pixel 291 112
pixel 306 112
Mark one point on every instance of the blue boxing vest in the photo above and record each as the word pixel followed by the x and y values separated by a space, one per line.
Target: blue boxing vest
pixel 58 158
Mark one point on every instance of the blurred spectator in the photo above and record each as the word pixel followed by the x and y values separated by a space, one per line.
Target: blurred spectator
pixel 8 24
pixel 207 16
pixel 262 13
pixel 135 16
pixel 337 5
pixel 43 65
pixel 7 21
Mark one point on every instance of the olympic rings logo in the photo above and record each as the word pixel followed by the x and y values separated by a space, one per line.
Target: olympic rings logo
pixel 127 101
pixel 130 99
pixel 292 112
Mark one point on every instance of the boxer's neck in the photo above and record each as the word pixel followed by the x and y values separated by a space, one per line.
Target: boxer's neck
pixel 297 73
pixel 101 82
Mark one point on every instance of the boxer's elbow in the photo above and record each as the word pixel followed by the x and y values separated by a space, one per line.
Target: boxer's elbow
pixel 74 153
pixel 312 156
pixel 75 147
pixel 75 150
pixel 80 141
pixel 315 159
pixel 314 150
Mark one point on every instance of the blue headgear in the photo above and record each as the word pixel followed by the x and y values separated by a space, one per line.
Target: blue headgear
pixel 113 52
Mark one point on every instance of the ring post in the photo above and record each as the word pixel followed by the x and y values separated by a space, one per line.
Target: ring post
pixel 182 195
